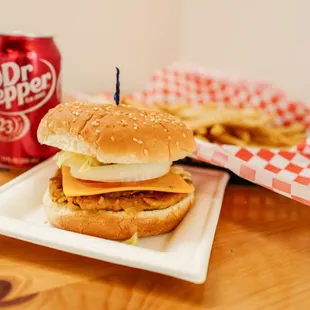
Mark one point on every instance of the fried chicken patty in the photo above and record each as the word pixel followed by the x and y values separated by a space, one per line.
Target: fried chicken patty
pixel 132 201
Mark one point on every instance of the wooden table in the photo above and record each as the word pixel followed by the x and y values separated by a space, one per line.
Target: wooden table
pixel 260 260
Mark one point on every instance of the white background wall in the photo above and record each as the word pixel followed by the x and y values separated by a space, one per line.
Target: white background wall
pixel 96 35
pixel 265 39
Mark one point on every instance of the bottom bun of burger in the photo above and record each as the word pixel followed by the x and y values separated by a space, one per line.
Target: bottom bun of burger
pixel 118 225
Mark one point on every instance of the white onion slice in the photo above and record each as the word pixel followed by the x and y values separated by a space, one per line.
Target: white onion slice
pixel 120 172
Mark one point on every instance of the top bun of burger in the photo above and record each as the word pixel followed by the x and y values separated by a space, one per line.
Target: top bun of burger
pixel 116 134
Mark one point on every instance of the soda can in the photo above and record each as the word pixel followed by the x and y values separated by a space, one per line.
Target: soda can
pixel 30 84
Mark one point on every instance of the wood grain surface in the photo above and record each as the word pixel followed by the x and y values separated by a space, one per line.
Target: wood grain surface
pixel 260 260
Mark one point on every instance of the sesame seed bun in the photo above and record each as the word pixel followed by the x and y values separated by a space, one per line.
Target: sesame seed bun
pixel 116 134
pixel 116 225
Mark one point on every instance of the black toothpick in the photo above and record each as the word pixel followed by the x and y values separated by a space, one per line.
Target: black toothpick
pixel 116 95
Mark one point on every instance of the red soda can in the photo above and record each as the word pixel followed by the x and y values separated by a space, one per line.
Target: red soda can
pixel 30 85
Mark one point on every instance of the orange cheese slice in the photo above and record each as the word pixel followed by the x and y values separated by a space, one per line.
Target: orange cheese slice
pixel 169 183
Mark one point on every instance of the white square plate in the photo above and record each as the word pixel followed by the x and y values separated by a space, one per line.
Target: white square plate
pixel 183 253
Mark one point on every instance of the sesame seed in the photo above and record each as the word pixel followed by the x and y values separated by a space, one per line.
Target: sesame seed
pixel 95 123
pixel 124 123
pixel 135 118
pixel 146 153
pixel 169 138
pixel 97 130
pixel 112 138
pixel 95 108
pixel 184 135
pixel 138 141
pixel 177 144
pixel 165 129
pixel 75 113
pixel 74 120
pixel 141 114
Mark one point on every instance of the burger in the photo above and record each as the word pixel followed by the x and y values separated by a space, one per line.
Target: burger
pixel 115 175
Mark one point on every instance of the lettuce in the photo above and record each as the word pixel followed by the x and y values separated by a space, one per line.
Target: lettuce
pixel 82 162
pixel 133 240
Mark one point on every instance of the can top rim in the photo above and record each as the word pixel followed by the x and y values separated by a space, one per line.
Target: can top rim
pixel 26 34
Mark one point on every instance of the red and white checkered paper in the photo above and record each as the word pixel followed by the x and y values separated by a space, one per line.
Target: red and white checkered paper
pixel 285 172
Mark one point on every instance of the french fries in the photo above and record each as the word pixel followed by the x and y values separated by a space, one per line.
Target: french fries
pixel 243 127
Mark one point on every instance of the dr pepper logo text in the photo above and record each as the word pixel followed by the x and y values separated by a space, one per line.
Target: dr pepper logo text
pixel 21 92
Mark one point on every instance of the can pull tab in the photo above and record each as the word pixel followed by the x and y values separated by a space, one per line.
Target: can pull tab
pixel 117 92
